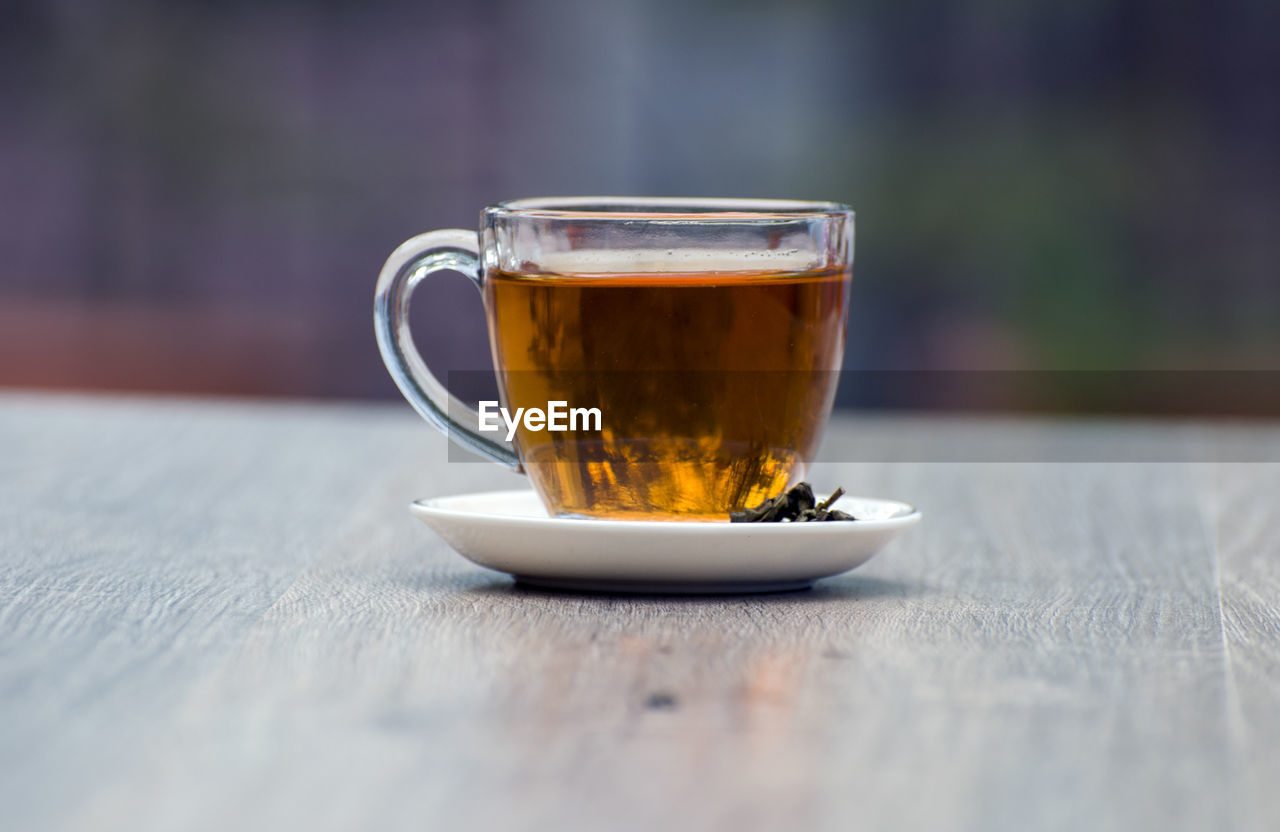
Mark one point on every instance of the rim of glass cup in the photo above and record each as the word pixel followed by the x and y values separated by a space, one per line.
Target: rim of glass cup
pixel 671 209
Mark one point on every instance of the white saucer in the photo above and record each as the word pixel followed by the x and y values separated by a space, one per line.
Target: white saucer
pixel 511 532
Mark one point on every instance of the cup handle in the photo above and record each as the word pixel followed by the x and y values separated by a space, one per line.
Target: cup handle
pixel 458 251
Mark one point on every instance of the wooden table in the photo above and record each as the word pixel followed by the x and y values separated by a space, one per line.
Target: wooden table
pixel 219 615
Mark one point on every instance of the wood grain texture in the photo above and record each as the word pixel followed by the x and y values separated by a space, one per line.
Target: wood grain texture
pixel 1248 527
pixel 220 615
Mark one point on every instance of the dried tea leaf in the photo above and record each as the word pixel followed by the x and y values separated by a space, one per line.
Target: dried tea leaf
pixel 796 505
pixel 830 501
pixel 786 506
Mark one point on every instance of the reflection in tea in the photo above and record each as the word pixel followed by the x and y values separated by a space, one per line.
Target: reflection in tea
pixel 713 386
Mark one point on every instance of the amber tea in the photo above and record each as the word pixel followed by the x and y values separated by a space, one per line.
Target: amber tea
pixel 713 386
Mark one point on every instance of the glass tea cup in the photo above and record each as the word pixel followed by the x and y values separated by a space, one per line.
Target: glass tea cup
pixel 666 359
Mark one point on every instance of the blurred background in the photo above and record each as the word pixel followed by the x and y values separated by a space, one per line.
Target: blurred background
pixel 197 196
